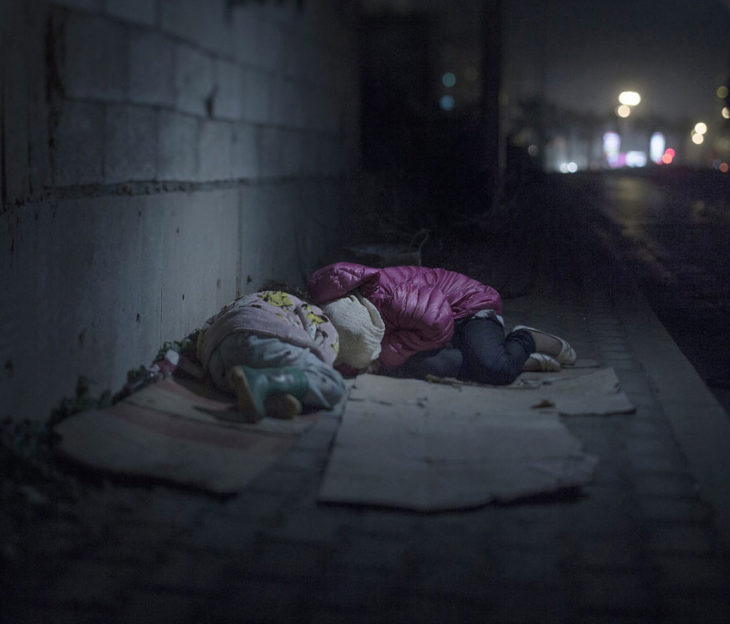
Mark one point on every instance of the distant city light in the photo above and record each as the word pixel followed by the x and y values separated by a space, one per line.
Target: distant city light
pixel 668 156
pixel 657 143
pixel 700 127
pixel 448 80
pixel 533 150
pixel 697 138
pixel 569 167
pixel 725 112
pixel 635 159
pixel 722 91
pixel 611 147
pixel 629 98
pixel 724 167
pixel 623 111
pixel 447 102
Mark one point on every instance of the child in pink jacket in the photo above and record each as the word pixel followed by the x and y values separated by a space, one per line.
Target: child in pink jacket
pixel 436 322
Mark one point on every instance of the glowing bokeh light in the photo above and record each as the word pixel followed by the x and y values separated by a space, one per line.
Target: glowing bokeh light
pixel 668 156
pixel 724 167
pixel 700 127
pixel 722 91
pixel 629 98
pixel 635 159
pixel 533 150
pixel 447 102
pixel 623 111
pixel 725 112
pixel 657 143
pixel 698 139
pixel 448 79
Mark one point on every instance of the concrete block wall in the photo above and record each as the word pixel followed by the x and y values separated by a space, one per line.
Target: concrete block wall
pixel 159 157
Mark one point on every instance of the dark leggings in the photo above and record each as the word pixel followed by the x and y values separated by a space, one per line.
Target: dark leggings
pixel 479 352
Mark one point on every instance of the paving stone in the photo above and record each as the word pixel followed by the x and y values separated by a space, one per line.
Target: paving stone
pixel 676 485
pixel 688 539
pixel 279 559
pixel 434 609
pixel 192 571
pixel 32 613
pixel 153 605
pixel 685 606
pixel 678 573
pixel 139 11
pixel 91 582
pixel 662 508
pixel 315 525
pixel 359 593
pixel 618 552
pixel 523 604
pixel 621 592
pixel 223 533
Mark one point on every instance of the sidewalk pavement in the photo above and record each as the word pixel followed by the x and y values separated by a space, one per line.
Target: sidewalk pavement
pixel 646 542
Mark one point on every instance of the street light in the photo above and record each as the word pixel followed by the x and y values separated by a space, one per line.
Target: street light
pixel 629 98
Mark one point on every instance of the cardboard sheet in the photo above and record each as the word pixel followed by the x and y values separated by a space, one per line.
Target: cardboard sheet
pixel 180 432
pixel 434 446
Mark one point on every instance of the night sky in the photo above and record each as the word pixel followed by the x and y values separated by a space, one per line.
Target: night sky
pixel 582 53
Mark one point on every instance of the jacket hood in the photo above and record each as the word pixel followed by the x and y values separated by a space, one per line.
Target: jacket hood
pixel 336 280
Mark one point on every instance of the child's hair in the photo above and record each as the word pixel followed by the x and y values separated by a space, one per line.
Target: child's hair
pixel 297 291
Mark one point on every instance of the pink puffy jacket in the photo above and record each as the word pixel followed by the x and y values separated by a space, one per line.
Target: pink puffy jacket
pixel 418 305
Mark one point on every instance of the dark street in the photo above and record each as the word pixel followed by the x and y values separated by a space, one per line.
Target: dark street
pixel 365 311
pixel 672 229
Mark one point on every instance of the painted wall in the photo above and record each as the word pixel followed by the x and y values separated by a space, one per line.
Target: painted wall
pixel 159 157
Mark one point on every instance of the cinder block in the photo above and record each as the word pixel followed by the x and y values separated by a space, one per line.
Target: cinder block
pixel 140 11
pixel 200 241
pixel 291 152
pixel 15 122
pixel 96 62
pixel 244 152
pixel 292 65
pixel 293 110
pixel 208 24
pixel 177 154
pixel 246 33
pixel 152 69
pixel 331 115
pixel 228 100
pixel 130 150
pixel 90 5
pixel 271 45
pixel 256 95
pixel 310 153
pixel 276 111
pixel 308 104
pixel 78 144
pixel 215 150
pixel 193 80
pixel 270 146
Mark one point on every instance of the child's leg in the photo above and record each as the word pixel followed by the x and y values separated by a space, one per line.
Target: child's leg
pixel 489 356
pixel 445 362
pixel 325 384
